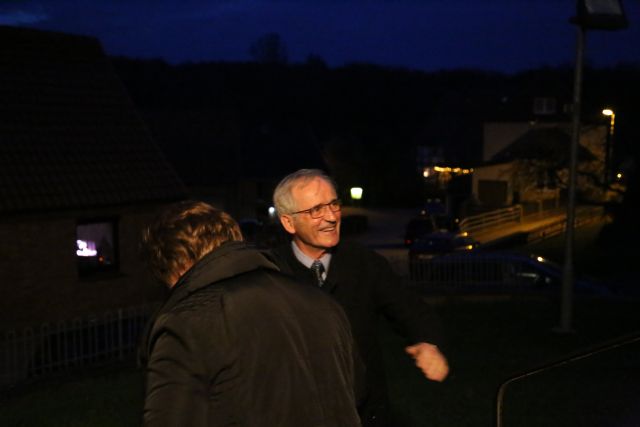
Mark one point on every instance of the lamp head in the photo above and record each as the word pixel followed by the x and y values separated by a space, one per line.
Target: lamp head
pixel 600 15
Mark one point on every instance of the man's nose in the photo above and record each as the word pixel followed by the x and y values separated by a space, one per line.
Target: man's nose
pixel 330 215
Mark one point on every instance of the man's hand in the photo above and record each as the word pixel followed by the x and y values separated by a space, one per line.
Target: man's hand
pixel 431 362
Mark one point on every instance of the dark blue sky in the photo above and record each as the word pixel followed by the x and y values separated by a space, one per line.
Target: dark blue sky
pixel 502 35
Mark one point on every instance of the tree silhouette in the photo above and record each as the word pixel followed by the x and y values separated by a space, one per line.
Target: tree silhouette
pixel 269 49
pixel 316 61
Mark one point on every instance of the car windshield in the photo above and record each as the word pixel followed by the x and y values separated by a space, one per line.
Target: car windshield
pixel 445 222
pixel 419 226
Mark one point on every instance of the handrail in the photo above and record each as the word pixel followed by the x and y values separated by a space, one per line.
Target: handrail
pixel 619 342
pixel 475 223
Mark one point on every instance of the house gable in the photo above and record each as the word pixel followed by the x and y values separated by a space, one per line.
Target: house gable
pixel 70 136
pixel 74 157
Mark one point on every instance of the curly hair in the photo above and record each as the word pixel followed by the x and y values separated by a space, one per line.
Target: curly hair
pixel 182 234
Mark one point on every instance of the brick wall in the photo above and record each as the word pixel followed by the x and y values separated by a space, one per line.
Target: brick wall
pixel 39 278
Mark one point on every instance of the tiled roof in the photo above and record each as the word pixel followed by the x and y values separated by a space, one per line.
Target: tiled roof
pixel 70 136
pixel 544 143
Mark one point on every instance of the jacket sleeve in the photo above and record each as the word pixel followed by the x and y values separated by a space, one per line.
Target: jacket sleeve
pixel 406 311
pixel 177 373
pixel 360 389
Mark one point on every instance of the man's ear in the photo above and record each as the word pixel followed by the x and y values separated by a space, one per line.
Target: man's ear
pixel 287 223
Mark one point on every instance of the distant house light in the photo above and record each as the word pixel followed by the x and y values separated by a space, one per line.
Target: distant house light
pixel 448 169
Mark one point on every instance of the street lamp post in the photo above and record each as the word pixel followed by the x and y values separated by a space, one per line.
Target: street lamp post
pixel 591 15
pixel 608 147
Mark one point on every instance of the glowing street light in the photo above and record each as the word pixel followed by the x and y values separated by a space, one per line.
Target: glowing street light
pixel 356 193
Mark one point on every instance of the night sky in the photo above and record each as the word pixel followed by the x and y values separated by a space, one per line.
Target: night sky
pixel 500 35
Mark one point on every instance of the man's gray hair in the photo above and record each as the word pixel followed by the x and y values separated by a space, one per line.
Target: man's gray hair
pixel 282 198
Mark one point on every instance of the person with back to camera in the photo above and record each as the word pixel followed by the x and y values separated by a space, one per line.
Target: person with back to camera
pixel 236 342
pixel 361 280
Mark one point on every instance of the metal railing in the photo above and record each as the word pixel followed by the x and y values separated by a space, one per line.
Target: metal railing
pixel 489 221
pixel 480 272
pixel 476 223
pixel 62 346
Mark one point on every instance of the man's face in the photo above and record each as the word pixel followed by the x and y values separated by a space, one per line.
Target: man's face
pixel 314 236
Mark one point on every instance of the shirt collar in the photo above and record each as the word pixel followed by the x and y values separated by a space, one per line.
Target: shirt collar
pixel 307 260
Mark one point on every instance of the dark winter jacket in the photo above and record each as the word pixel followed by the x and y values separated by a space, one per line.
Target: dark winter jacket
pixel 239 344
pixel 363 282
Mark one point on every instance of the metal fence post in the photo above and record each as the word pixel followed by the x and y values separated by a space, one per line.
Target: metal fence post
pixel 120 339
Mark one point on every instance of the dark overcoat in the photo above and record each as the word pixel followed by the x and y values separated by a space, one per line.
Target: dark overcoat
pixel 363 282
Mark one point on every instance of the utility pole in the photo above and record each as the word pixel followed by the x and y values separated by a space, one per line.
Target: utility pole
pixel 594 15
pixel 567 272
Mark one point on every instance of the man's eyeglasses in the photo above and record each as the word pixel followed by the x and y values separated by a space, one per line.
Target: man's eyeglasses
pixel 319 211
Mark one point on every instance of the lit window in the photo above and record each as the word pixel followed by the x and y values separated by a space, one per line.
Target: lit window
pixel 96 247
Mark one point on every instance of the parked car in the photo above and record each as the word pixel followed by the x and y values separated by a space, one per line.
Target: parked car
pixel 418 226
pixel 427 223
pixel 498 269
pixel 447 222
pixel 440 242
pixel 535 270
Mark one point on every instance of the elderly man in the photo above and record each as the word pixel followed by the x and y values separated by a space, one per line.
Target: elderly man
pixel 238 343
pixel 361 280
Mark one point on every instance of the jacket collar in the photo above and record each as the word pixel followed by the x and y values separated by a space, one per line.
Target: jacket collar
pixel 229 260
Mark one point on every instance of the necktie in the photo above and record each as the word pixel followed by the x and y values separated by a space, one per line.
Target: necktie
pixel 318 270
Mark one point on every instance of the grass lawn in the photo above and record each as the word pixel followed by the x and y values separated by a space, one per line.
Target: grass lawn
pixel 106 397
pixel 490 341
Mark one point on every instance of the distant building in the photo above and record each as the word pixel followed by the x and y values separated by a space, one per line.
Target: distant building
pixel 526 161
pixel 79 177
pixel 533 167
